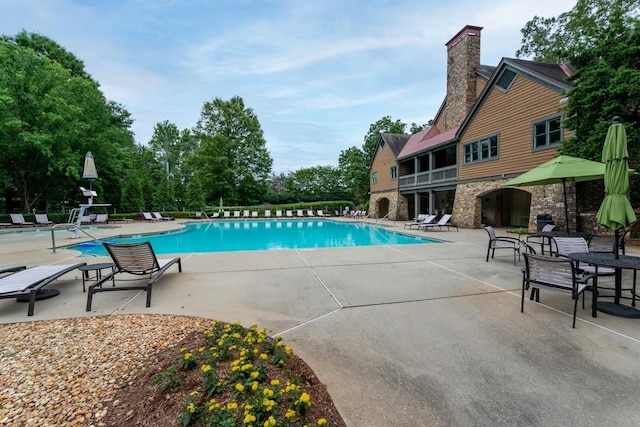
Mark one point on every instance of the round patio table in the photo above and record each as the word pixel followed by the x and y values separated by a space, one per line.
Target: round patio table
pixel 619 263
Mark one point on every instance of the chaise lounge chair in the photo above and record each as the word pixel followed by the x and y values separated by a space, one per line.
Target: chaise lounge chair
pixel 27 284
pixel 236 214
pixel 149 217
pixel 422 219
pixel 289 214
pixel 245 213
pixel 278 214
pixel 42 219
pixel 159 216
pixel 134 259
pixel 18 219
pixel 442 222
pixel 267 213
pixel 102 218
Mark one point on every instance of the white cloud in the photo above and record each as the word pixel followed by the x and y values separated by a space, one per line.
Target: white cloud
pixel 317 74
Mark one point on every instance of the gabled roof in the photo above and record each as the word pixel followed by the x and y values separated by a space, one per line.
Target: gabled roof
pixel 550 75
pixel 427 139
pixel 395 141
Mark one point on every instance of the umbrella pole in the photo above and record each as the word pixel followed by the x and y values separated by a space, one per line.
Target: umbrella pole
pixel 615 245
pixel 566 206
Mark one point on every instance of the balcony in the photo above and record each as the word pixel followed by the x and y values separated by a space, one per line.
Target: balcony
pixel 436 176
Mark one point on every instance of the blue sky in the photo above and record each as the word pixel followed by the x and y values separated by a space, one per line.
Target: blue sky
pixel 317 73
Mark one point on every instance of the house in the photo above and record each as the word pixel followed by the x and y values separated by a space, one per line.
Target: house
pixel 384 174
pixel 495 123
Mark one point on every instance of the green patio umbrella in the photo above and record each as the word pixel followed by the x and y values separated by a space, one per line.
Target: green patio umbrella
pixel 616 212
pixel 560 170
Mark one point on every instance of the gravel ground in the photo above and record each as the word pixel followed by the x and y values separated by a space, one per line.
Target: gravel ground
pixel 65 372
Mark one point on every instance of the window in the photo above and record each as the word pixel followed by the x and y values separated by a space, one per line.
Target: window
pixel 504 81
pixel 374 177
pixel 547 133
pixel 394 173
pixel 481 150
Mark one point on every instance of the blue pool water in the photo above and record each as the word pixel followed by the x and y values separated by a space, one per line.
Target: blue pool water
pixel 228 236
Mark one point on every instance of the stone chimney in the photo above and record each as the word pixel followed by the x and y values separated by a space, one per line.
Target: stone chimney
pixel 463 59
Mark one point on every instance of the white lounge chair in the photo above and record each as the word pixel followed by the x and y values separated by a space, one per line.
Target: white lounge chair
pixel 226 214
pixel 18 219
pixel 102 218
pixel 254 214
pixel 442 222
pixel 310 212
pixel 321 213
pixel 267 213
pixel 159 216
pixel 289 214
pixel 26 283
pixel 422 219
pixel 42 219
pixel 149 217
pixel 245 213
pixel 299 213
pixel 236 214
pixel 278 214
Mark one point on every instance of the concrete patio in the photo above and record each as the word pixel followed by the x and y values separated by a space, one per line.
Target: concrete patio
pixel 414 335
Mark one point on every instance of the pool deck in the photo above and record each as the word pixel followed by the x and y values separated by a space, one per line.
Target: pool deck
pixel 412 335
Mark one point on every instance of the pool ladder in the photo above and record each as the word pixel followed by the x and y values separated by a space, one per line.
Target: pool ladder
pixel 71 227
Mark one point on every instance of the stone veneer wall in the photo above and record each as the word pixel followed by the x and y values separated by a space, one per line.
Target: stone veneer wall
pixel 398 207
pixel 467 208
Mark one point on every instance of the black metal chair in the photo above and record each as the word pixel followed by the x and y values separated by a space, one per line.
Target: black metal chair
pixel 509 243
pixel 559 273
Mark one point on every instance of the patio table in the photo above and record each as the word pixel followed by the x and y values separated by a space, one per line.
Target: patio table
pixel 619 263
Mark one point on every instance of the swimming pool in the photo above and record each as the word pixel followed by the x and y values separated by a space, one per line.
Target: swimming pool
pixel 229 236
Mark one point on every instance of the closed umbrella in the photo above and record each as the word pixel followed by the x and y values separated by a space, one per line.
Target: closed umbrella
pixel 616 212
pixel 560 170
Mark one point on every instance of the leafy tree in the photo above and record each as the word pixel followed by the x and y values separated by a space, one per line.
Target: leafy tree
pixel 315 183
pixel 562 38
pixel 231 160
pixel 355 162
pixel 49 118
pixel 601 40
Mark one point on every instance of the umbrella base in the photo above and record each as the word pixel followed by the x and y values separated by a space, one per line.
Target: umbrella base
pixel 619 310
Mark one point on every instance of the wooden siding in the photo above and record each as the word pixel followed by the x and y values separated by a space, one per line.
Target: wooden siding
pixel 511 115
pixel 480 84
pixel 381 164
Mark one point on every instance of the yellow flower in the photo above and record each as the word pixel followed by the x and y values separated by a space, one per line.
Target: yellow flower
pixel 275 382
pixel 290 413
pixel 287 349
pixel 232 405
pixel 255 374
pixel 264 356
pixel 246 367
pixel 239 387
pixel 206 368
pixel 304 397
pixel 254 385
pixel 194 393
pixel 191 407
pixel 267 392
pixel 322 422
pixel 201 349
pixel 270 422
pixel 182 350
pixel 187 356
pixel 249 418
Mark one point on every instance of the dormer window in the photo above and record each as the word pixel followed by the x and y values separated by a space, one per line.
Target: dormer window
pixel 505 80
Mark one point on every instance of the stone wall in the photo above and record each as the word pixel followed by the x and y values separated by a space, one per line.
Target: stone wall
pixel 467 209
pixel 398 207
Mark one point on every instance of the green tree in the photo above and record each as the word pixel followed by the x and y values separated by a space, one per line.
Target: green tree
pixel 49 118
pixel 562 38
pixel 315 183
pixel 231 160
pixel 601 40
